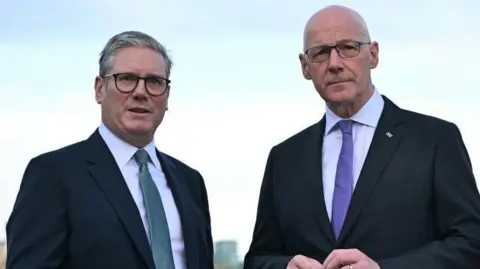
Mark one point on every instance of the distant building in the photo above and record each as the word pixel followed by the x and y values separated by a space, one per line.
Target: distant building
pixel 226 255
pixel 3 255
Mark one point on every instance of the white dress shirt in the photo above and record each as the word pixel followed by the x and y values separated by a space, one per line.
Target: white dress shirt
pixel 365 123
pixel 123 154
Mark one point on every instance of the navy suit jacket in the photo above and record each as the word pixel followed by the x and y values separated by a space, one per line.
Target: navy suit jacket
pixel 415 206
pixel 74 210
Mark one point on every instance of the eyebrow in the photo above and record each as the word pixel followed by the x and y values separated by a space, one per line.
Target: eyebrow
pixel 338 41
pixel 146 75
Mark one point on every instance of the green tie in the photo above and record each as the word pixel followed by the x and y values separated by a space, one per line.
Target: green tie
pixel 159 233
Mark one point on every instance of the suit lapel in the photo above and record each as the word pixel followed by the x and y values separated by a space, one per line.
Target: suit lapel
pixel 110 180
pixel 313 174
pixel 185 207
pixel 385 141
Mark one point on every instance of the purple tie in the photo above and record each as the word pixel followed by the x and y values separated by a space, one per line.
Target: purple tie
pixel 343 178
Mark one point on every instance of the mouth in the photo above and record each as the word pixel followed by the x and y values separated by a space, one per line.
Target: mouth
pixel 139 110
pixel 337 82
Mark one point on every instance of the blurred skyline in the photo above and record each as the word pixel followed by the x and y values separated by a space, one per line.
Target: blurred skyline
pixel 237 87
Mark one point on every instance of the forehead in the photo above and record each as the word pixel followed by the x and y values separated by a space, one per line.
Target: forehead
pixel 139 60
pixel 332 27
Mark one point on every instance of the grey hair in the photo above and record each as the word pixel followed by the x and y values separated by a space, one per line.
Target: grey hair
pixel 130 39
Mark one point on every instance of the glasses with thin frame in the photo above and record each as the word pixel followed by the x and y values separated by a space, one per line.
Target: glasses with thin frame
pixel 345 49
pixel 128 82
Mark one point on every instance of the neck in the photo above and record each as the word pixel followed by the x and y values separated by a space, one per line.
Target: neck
pixel 137 140
pixel 348 109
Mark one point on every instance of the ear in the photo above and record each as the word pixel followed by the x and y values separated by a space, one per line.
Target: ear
pixel 99 89
pixel 374 50
pixel 303 62
pixel 167 95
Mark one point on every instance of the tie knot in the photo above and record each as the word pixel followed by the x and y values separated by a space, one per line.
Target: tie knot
pixel 141 156
pixel 345 126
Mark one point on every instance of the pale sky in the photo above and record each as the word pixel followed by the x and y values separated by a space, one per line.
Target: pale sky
pixel 237 86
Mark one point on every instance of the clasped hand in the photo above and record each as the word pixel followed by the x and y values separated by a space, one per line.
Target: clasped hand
pixel 338 259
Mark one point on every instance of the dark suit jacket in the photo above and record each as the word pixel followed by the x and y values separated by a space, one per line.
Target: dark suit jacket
pixel 416 203
pixel 74 210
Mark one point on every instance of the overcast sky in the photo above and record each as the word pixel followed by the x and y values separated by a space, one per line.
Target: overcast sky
pixel 237 87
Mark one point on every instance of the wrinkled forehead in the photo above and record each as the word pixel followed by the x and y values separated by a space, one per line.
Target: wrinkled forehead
pixel 139 60
pixel 328 29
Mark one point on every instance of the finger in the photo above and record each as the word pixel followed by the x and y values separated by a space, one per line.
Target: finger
pixel 314 264
pixel 353 255
pixel 340 260
pixel 357 265
pixel 334 254
pixel 301 262
pixel 330 257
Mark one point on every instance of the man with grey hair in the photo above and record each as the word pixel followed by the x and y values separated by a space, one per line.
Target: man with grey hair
pixel 114 200
pixel 370 185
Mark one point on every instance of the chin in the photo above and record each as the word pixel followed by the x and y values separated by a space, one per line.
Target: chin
pixel 338 93
pixel 338 97
pixel 138 128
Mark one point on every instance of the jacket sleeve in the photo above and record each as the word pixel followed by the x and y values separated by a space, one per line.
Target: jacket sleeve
pixel 208 226
pixel 37 229
pixel 457 205
pixel 267 247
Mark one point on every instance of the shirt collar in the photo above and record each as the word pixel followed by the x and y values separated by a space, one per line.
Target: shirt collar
pixel 122 151
pixel 368 115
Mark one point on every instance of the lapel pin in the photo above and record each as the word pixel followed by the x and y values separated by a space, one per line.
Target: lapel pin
pixel 389 134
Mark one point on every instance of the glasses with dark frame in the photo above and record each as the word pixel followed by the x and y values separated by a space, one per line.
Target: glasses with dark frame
pixel 345 49
pixel 128 82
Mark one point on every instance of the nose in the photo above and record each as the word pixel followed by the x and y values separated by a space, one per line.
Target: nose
pixel 335 64
pixel 140 91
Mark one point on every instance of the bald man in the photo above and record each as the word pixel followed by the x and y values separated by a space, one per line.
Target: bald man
pixel 371 185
